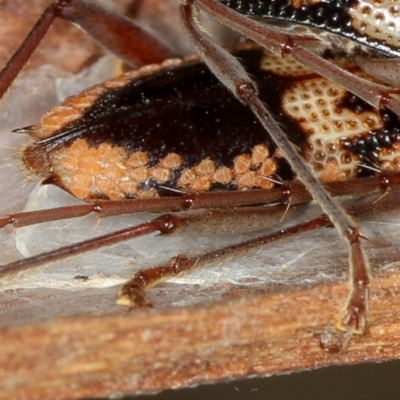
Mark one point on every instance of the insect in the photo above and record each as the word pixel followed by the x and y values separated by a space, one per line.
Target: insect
pixel 171 168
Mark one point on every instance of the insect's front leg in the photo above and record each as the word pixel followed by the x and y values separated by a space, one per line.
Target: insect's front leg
pixel 233 75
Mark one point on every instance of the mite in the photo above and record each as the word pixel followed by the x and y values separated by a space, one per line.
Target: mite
pixel 299 109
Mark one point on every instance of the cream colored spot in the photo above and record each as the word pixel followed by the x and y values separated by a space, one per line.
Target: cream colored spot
pixel 187 177
pixel 137 159
pixel 108 188
pixel 82 102
pixel 80 187
pixel 241 164
pixel 377 20
pixel 282 66
pixel 201 184
pixel 246 180
pixel 139 174
pixel 171 161
pixel 128 186
pixel 148 194
pixel 161 175
pixel 222 175
pixel 263 183
pixel 331 172
pixel 268 167
pixel 206 167
pixel 318 110
pixel 173 62
pixel 259 154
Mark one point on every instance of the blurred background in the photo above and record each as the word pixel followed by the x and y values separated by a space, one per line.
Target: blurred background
pixel 357 382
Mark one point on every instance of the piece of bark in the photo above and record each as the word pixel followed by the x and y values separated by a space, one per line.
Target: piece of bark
pixel 251 334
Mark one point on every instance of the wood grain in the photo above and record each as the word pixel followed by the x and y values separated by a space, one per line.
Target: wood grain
pixel 61 344
pixel 251 334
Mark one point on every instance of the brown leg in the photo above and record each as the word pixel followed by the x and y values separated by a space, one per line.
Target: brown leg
pixel 132 294
pixel 280 43
pixel 231 73
pixel 289 193
pixel 122 36
pixel 200 222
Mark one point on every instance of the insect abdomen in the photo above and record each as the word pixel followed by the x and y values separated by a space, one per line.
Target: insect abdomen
pixel 177 128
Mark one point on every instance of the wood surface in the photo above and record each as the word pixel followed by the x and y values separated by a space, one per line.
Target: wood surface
pixel 58 343
pixel 250 334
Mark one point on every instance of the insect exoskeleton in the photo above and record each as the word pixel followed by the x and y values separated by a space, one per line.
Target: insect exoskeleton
pixel 172 136
pixel 102 143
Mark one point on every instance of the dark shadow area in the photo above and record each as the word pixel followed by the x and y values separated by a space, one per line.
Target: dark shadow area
pixel 359 382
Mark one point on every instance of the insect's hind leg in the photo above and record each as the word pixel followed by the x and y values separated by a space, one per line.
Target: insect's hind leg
pixel 232 74
pixel 196 223
pixel 133 293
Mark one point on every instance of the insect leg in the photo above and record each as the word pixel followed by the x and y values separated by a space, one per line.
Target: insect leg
pixel 233 75
pixel 288 193
pixel 207 222
pixel 132 294
pixel 163 224
pixel 386 70
pixel 280 43
pixel 125 38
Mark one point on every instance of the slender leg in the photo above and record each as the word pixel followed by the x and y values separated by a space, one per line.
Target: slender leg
pixel 209 222
pixel 232 74
pixel 280 43
pixel 386 70
pixel 126 39
pixel 132 294
pixel 288 193
pixel 162 224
